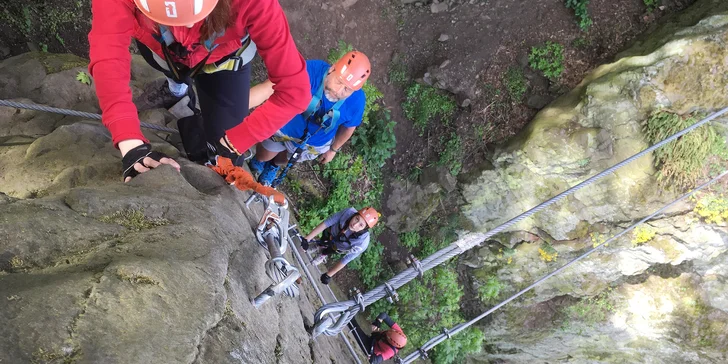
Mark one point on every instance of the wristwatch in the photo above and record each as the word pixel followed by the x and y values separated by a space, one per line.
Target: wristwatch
pixel 335 150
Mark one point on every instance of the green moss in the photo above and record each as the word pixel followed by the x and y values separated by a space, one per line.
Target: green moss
pixel 667 247
pixel 588 311
pixel 16 262
pixel 229 308
pixel 516 83
pixel 694 324
pixel 134 220
pixel 580 231
pixel 425 103
pixel 136 278
pixel 278 351
pixel 452 154
pixel 42 355
pixel 56 355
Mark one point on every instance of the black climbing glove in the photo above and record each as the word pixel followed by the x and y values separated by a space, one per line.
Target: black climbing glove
pixel 137 155
pixel 325 279
pixel 304 243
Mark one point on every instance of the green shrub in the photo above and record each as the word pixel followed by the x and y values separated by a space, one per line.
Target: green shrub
pixel 581 12
pixel 371 106
pixel 580 42
pixel 369 264
pixel 548 59
pixel 490 290
pixel 430 245
pixel 680 163
pixel 375 141
pixel 651 4
pixel 410 240
pixel 515 83
pixel 398 73
pixel 451 157
pixel 342 172
pixel 589 311
pixel 425 103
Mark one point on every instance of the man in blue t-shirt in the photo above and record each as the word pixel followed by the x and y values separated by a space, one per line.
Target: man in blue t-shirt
pixel 322 129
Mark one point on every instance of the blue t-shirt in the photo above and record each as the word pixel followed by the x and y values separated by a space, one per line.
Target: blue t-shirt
pixel 351 111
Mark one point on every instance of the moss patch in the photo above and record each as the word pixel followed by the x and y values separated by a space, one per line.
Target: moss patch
pixel 136 278
pixel 54 63
pixel 134 220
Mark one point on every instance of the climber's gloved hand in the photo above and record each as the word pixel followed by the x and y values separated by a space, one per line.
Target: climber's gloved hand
pixel 325 279
pixel 304 243
pixel 141 159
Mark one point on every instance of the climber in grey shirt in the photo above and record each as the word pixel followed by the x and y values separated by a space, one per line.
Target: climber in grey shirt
pixel 346 231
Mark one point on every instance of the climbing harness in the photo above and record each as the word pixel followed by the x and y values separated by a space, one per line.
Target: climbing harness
pixel 446 334
pixel 324 322
pixel 81 114
pixel 326 123
pixel 231 62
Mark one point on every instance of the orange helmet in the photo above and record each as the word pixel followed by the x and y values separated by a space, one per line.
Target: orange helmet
pixel 176 12
pixel 353 69
pixel 397 338
pixel 370 215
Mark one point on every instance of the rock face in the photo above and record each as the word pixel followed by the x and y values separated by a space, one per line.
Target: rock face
pixel 158 270
pixel 662 301
pixel 597 125
pixel 410 204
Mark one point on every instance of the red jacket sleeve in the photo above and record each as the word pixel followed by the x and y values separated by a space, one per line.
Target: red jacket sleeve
pixel 268 28
pixel 112 28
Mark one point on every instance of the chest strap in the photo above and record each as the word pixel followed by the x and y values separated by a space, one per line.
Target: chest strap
pixel 329 119
pixel 182 74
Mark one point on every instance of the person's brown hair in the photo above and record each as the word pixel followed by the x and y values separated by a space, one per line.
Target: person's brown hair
pixel 220 18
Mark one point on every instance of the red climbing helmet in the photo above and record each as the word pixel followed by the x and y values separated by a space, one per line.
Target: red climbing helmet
pixel 397 338
pixel 370 215
pixel 176 12
pixel 353 69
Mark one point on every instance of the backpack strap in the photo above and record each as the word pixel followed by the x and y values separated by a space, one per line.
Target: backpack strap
pixel 166 39
pixel 328 121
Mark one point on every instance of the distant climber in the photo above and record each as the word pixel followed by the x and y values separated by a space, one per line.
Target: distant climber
pixel 346 231
pixel 380 345
pixel 208 42
pixel 329 121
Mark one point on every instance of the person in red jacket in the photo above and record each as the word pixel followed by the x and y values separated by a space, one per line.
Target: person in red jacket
pixel 207 42
pixel 380 345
